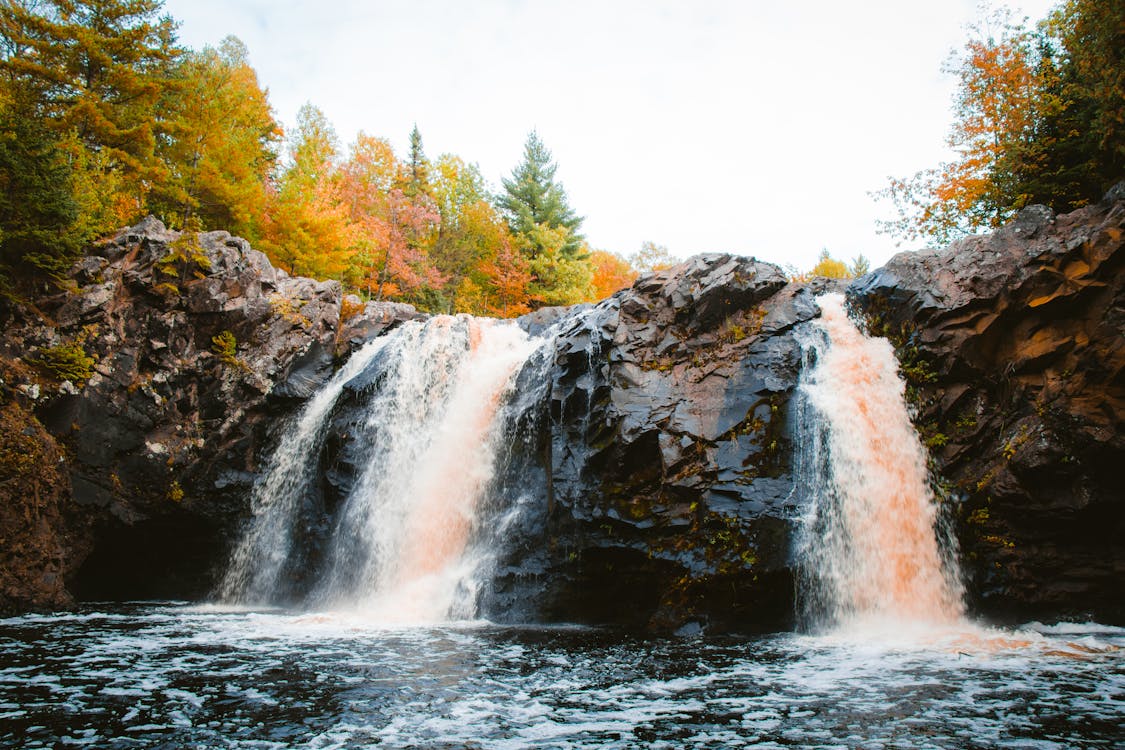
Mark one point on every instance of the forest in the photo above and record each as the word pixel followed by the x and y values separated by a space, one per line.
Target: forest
pixel 107 118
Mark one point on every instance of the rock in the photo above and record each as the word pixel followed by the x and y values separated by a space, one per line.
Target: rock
pixel 164 428
pixel 654 468
pixel 1012 345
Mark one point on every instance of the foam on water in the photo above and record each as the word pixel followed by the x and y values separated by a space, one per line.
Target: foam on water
pixel 191 677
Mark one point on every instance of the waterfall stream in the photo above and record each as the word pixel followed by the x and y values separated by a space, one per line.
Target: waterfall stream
pixel 869 551
pixel 402 545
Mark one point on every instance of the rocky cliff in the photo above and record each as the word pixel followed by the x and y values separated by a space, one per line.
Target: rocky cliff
pixel 652 456
pixel 136 404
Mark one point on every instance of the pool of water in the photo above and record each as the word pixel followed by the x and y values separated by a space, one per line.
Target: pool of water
pixel 170 675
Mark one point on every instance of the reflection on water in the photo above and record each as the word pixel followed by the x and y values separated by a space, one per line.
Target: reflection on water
pixel 170 676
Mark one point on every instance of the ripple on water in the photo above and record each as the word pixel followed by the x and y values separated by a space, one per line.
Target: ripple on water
pixel 144 675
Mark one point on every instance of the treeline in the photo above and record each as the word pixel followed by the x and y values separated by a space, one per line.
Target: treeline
pixel 105 118
pixel 1039 118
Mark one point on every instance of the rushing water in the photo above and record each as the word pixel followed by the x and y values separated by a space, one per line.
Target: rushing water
pixel 403 548
pixel 870 549
pixel 181 677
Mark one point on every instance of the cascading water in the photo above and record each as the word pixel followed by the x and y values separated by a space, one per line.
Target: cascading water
pixel 402 546
pixel 870 551
pixel 261 558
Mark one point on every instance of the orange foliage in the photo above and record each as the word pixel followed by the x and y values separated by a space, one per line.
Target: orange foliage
pixel 611 273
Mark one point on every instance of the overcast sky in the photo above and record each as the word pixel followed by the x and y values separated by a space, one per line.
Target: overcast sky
pixel 705 125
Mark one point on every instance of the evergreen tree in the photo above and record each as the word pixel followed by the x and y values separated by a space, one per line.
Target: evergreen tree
pixel 38 211
pixel 533 199
pixel 417 168
pixel 99 67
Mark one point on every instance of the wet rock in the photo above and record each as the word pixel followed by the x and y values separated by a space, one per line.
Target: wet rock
pixel 655 469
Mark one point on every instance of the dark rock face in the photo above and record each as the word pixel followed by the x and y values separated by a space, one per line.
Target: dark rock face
pixel 655 473
pixel 1013 346
pixel 163 439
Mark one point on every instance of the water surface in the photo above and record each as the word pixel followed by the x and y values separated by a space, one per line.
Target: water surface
pixel 167 675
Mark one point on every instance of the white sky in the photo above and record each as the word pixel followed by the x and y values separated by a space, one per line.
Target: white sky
pixel 704 125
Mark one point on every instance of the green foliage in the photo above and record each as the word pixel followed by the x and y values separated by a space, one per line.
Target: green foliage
pixel 187 257
pixel 417 167
pixel 38 212
pixel 67 362
pixel 557 278
pixel 225 346
pixel 860 266
pixel 533 199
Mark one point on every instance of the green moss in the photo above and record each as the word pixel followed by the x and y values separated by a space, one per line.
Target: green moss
pixel 66 362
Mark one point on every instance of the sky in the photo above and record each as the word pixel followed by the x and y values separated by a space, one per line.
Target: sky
pixel 758 128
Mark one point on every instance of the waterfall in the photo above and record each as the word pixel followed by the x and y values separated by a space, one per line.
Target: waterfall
pixel 869 549
pixel 403 544
pixel 260 560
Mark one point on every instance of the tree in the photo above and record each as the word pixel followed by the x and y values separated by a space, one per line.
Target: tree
pixel 651 257
pixel 39 222
pixel 391 231
pixel 96 68
pixel 306 229
pixel 860 266
pixel 830 268
pixel 558 278
pixel 997 104
pixel 532 199
pixel 1040 118
pixel 223 143
pixel 611 273
pixel 417 180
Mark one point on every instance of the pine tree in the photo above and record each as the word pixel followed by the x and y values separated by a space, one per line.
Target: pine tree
pixel 533 199
pixel 99 67
pixel 417 169
pixel 38 211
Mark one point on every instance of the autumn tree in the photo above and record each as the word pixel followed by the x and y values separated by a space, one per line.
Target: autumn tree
pixel 611 273
pixel 223 143
pixel 829 267
pixel 81 82
pixel 97 69
pixel 390 231
pixel 651 257
pixel 306 228
pixel 997 104
pixel 473 248
pixel 1039 118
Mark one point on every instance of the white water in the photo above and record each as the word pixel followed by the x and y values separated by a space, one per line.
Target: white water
pixel 870 550
pixel 402 549
pixel 256 567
